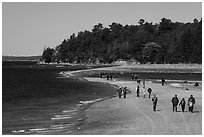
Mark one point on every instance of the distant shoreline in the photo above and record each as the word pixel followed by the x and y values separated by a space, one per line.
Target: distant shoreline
pixel 157 68
pixel 124 66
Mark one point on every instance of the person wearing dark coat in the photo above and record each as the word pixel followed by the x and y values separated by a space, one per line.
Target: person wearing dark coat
pixel 119 92
pixel 138 91
pixel 107 77
pixel 182 104
pixel 191 102
pixel 111 77
pixel 163 80
pixel 154 100
pixel 149 90
pixel 175 102
pixel 125 92
pixel 132 76
pixel 101 75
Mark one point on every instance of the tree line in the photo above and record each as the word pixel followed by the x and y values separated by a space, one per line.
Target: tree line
pixel 163 42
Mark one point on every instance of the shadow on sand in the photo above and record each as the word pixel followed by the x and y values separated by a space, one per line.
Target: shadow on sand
pixel 196 112
pixel 189 111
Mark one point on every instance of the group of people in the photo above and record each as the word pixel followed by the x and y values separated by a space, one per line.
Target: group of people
pixel 122 91
pixel 175 100
pixel 106 75
pixel 175 103
pixel 149 90
pixel 134 77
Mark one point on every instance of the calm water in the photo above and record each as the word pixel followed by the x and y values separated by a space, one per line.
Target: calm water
pixel 156 75
pixel 40 100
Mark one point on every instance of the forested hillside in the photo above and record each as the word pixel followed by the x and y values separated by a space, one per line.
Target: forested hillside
pixel 163 42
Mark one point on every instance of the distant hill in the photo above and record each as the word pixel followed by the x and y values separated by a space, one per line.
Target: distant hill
pixel 20 58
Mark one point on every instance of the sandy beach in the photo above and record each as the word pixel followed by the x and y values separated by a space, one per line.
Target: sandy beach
pixel 135 116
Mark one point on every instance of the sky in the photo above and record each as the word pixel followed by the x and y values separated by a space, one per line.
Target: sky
pixel 28 27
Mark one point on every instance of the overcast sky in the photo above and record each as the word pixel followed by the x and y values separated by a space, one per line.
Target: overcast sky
pixel 29 27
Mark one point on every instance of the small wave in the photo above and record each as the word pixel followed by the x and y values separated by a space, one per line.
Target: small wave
pixel 62 125
pixel 80 119
pixel 57 116
pixel 59 66
pixel 61 73
pixel 56 126
pixel 69 131
pixel 48 131
pixel 18 131
pixel 38 129
pixel 68 111
pixel 79 105
pixel 65 74
pixel 88 102
pixel 60 118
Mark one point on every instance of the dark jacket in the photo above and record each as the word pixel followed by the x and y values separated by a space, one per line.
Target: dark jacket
pixel 119 91
pixel 154 99
pixel 183 102
pixel 191 99
pixel 175 101
pixel 149 90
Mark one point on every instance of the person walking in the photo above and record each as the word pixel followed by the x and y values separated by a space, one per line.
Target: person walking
pixel 119 92
pixel 144 92
pixel 138 91
pixel 107 76
pixel 143 83
pixel 182 104
pixel 101 75
pixel 191 102
pixel 132 76
pixel 175 102
pixel 138 82
pixel 149 90
pixel 154 100
pixel 135 77
pixel 111 77
pixel 163 80
pixel 125 92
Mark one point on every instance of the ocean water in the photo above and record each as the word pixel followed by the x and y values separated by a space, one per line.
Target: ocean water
pixel 39 100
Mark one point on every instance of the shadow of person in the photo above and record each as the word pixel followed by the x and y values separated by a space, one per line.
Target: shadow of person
pixel 196 112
